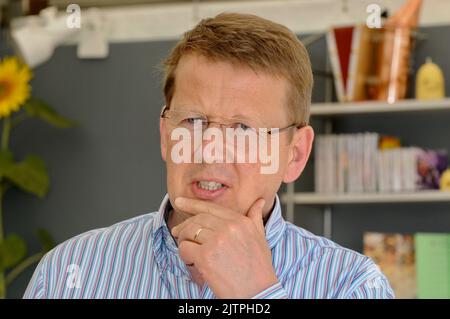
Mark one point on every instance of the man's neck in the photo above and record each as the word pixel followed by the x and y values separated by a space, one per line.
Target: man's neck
pixel 174 218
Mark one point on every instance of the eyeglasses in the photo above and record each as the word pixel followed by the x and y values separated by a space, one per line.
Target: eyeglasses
pixel 192 120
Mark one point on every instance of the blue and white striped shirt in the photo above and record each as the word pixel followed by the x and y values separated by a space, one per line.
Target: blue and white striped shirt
pixel 138 258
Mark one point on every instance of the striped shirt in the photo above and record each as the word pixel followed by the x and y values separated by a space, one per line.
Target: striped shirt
pixel 138 258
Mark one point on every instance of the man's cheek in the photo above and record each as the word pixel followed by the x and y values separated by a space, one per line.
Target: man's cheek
pixel 251 179
pixel 269 155
pixel 249 170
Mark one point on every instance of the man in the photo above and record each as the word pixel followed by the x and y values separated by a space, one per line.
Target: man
pixel 219 232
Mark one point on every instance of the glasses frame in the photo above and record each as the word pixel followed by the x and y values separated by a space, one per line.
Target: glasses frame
pixel 280 130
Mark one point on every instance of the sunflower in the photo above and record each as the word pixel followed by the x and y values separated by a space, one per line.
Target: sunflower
pixel 14 87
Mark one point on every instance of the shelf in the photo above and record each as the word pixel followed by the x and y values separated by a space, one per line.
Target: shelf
pixel 361 198
pixel 375 107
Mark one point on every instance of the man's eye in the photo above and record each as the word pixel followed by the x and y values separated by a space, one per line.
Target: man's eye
pixel 242 126
pixel 193 121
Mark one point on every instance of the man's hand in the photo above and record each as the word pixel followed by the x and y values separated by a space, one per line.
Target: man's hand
pixel 230 252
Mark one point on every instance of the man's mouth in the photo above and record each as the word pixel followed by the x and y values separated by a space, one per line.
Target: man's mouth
pixel 208 189
pixel 209 185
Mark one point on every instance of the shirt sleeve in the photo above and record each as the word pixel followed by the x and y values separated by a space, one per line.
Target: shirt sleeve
pixel 273 292
pixel 36 286
pixel 373 284
pixel 378 288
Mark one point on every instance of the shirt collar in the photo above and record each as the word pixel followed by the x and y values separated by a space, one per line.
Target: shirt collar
pixel 274 227
pixel 159 220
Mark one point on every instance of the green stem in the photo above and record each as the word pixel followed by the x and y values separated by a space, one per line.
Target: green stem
pixel 5 134
pixel 2 273
pixel 16 271
pixel 1 210
pixel 4 147
pixel 2 285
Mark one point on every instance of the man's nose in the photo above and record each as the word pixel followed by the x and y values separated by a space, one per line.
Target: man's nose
pixel 214 144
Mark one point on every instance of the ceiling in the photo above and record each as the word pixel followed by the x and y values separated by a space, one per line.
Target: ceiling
pixel 103 3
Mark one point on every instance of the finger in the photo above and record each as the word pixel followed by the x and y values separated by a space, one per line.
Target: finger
pixel 195 233
pixel 189 252
pixel 255 214
pixel 196 206
pixel 204 220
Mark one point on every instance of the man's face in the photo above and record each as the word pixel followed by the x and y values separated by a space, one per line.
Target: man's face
pixel 222 90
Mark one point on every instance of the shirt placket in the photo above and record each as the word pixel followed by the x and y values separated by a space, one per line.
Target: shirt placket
pixel 178 273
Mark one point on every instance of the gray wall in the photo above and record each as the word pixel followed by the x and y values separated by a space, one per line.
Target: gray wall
pixel 109 168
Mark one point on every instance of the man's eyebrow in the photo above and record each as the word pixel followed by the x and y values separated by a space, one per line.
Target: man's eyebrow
pixel 238 116
pixel 186 108
pixel 245 117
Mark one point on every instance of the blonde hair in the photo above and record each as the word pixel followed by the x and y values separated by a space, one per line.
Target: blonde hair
pixel 254 42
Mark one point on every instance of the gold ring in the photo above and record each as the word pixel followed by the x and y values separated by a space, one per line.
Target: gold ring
pixel 197 233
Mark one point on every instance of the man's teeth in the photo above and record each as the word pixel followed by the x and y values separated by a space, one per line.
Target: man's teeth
pixel 210 186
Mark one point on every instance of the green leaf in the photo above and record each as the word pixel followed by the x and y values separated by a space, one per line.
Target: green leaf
pixel 45 112
pixel 6 162
pixel 46 240
pixel 30 175
pixel 4 186
pixel 12 250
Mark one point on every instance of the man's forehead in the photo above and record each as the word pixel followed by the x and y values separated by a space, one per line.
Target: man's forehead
pixel 198 67
pixel 217 86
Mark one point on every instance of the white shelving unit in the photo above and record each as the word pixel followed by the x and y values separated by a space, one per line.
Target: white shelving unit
pixel 374 107
pixel 331 110
pixel 364 198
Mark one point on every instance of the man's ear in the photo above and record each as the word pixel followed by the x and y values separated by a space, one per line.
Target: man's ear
pixel 162 134
pixel 299 151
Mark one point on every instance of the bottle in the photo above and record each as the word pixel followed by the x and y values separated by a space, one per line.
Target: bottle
pixel 430 81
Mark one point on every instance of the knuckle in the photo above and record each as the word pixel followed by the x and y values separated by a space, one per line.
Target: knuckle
pixel 233 227
pixel 182 249
pixel 220 240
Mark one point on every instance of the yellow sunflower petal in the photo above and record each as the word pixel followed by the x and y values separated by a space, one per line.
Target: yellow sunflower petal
pixel 14 85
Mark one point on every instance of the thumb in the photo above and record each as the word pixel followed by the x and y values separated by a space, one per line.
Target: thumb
pixel 255 214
